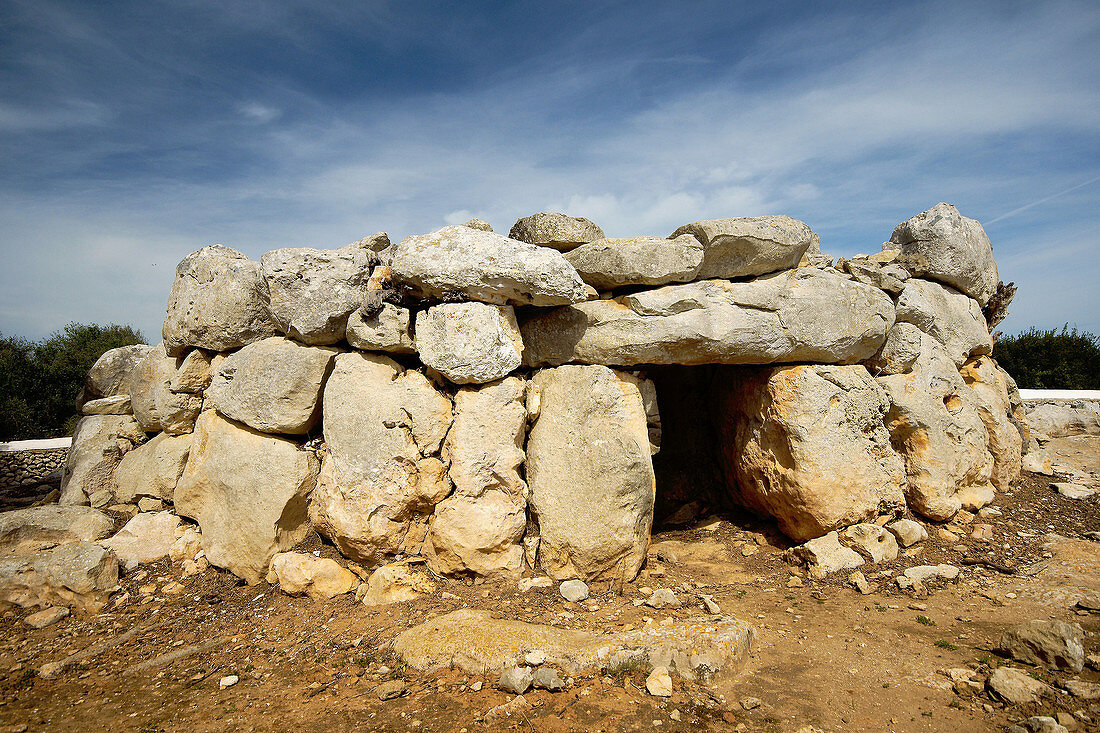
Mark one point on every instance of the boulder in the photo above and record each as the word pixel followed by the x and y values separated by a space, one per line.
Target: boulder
pixel 991 398
pixel 479 224
pixel 99 442
pixel 935 425
pixel 192 374
pixel 311 292
pixel 218 302
pixel 799 315
pixel 814 257
pixel 118 404
pixel 383 430
pixel 155 406
pixel 38 528
pixel 953 319
pixel 186 546
pixel 273 385
pixel 888 277
pixel 469 342
pixel 1052 644
pixel 898 353
pixel 486 267
pixel 479 527
pixel 248 491
pixel 877 543
pixel 807 445
pixel 551 229
pixel 914 578
pixel 943 245
pixel 751 245
pixel 395 583
pixel 824 555
pixel 606 264
pixel 146 538
pixel 110 374
pixel 299 573
pixel 590 473
pixel 1016 687
pixel 907 532
pixel 81 574
pixel 390 329
pixel 152 469
pixel 1059 420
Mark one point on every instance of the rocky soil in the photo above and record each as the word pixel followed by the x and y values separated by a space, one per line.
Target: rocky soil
pixel 825 656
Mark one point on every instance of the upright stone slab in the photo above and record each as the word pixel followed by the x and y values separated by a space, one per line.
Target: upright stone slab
pixel 478 529
pixel 99 442
pixel 943 245
pixel 218 302
pixel 950 317
pixel 152 469
pixel 935 425
pixel 804 315
pixel 744 246
pixel 995 409
pixel 590 472
pixel 469 343
pixel 382 474
pixel 311 292
pixel 273 385
pixel 559 231
pixel 486 267
pixel 249 493
pixel 807 445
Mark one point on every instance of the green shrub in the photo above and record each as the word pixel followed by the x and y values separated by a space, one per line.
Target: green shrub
pixel 1051 359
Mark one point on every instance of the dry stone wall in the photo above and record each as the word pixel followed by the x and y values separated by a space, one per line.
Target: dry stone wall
pixel 485 402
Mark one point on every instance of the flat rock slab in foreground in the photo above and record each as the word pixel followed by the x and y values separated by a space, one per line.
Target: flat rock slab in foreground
pixel 477 643
pixel 798 315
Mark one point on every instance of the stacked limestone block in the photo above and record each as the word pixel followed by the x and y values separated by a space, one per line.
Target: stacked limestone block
pixel 481 400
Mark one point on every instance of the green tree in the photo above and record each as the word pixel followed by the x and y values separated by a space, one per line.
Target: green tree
pixel 39 382
pixel 1051 359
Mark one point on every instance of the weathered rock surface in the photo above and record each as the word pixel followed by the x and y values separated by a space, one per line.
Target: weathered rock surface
pixel 1051 644
pixel 114 405
pixel 79 574
pixel 889 277
pixel 950 317
pixel 38 528
pixel 752 245
pixel 936 427
pixel 478 528
pixel 590 472
pixel 152 469
pixel 477 643
pixel 383 428
pixel 799 315
pixel 878 543
pixel 469 342
pixel 390 329
pixel 807 445
pixel 551 229
pixel 943 245
pixel 145 538
pixel 99 442
pixel 824 555
pixel 248 491
pixel 299 573
pixel 396 583
pixel 486 267
pixel 218 302
pixel 898 353
pixel 192 374
pixel 273 385
pixel 606 264
pixel 311 292
pixel 1059 420
pixel 907 532
pixel 110 374
pixel 991 398
pixel 914 578
pixel 155 406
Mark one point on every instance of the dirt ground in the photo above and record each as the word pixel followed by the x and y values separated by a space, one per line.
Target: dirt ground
pixel 825 656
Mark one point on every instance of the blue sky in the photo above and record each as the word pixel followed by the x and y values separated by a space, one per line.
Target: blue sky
pixel 134 133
